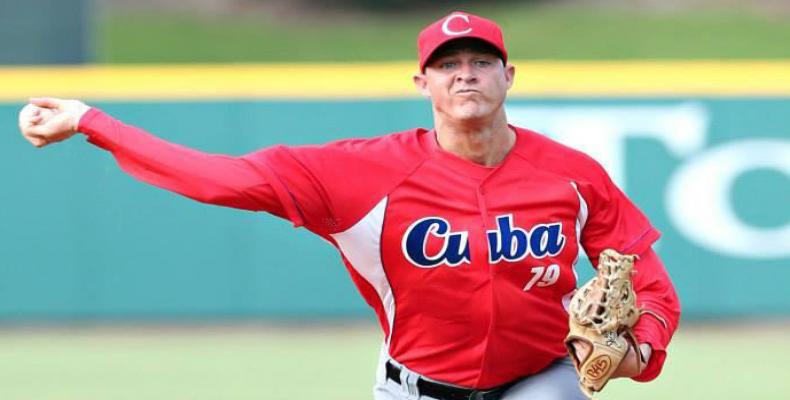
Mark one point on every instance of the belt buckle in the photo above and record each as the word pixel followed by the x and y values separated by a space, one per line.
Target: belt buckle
pixel 477 395
pixel 410 383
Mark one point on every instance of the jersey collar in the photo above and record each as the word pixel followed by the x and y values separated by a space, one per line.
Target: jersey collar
pixel 464 166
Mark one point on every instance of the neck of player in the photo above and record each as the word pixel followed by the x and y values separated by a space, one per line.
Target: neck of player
pixel 484 142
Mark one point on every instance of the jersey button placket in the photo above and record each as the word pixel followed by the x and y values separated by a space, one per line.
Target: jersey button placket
pixel 485 218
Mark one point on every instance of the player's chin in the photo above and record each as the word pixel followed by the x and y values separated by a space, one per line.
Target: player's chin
pixel 471 111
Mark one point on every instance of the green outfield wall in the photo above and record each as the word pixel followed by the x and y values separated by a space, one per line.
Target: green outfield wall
pixel 79 239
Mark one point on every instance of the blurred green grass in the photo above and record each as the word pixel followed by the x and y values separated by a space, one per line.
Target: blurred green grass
pixel 316 362
pixel 532 32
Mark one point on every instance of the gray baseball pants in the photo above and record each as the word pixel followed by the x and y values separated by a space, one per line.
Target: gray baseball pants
pixel 557 382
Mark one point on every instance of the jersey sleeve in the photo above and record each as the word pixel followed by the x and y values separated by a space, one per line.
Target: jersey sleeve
pixel 299 187
pixel 613 221
pixel 210 178
pixel 327 188
pixel 655 295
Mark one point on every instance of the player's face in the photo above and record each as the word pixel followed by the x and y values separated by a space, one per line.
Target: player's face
pixel 466 84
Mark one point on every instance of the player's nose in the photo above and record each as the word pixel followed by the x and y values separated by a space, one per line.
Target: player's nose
pixel 466 73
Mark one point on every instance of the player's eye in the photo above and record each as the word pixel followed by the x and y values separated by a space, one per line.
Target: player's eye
pixel 448 64
pixel 482 63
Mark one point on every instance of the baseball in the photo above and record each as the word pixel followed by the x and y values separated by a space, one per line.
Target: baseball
pixel 32 114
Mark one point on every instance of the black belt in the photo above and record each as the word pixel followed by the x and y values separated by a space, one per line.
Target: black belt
pixel 446 392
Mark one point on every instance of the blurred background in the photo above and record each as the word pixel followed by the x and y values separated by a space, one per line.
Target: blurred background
pixel 110 289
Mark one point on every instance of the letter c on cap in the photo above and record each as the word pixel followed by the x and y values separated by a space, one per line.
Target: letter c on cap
pixel 446 25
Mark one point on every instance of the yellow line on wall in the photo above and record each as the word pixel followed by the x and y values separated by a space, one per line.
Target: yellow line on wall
pixel 391 80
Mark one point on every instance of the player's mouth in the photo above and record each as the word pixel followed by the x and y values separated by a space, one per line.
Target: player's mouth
pixel 466 91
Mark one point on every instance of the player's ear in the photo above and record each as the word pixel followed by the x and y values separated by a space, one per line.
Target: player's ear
pixel 421 83
pixel 510 74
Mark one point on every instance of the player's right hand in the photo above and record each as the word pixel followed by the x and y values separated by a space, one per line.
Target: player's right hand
pixel 47 120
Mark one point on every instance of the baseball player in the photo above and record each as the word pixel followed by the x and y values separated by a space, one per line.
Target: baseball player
pixel 462 238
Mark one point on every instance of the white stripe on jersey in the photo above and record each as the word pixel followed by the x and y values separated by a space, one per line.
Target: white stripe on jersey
pixel 361 245
pixel 581 220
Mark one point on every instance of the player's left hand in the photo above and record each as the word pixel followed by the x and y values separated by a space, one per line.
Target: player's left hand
pixel 629 366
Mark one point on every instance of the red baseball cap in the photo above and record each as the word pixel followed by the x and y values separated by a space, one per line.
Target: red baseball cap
pixel 458 25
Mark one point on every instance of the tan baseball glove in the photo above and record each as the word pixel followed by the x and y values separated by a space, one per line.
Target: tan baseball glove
pixel 602 313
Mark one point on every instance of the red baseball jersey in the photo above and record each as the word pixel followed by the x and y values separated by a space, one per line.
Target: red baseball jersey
pixel 469 268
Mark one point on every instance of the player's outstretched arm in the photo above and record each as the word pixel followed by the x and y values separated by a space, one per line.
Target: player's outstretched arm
pixel 210 178
pixel 49 120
